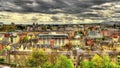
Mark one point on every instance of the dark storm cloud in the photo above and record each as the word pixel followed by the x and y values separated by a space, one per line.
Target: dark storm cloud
pixel 49 6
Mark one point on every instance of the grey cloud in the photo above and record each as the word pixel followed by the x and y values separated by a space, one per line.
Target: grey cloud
pixel 45 6
pixel 85 9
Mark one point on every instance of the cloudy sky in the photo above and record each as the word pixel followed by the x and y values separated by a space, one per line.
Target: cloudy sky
pixel 75 11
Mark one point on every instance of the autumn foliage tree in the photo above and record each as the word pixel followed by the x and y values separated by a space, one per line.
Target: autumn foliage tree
pixel 68 46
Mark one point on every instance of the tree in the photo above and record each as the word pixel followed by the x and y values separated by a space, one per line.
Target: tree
pixel 103 61
pixel 8 28
pixel 68 46
pixel 87 64
pixel 53 58
pixel 108 63
pixel 24 39
pixel 37 58
pixel 97 60
pixel 63 62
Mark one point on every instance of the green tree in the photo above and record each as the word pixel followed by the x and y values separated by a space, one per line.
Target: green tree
pixel 37 58
pixel 107 63
pixel 98 61
pixel 63 62
pixel 87 64
pixel 48 65
pixel 103 61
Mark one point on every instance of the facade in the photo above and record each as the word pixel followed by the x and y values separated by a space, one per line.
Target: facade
pixel 53 39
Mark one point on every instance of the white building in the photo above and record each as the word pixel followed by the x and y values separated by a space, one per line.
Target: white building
pixel 53 39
